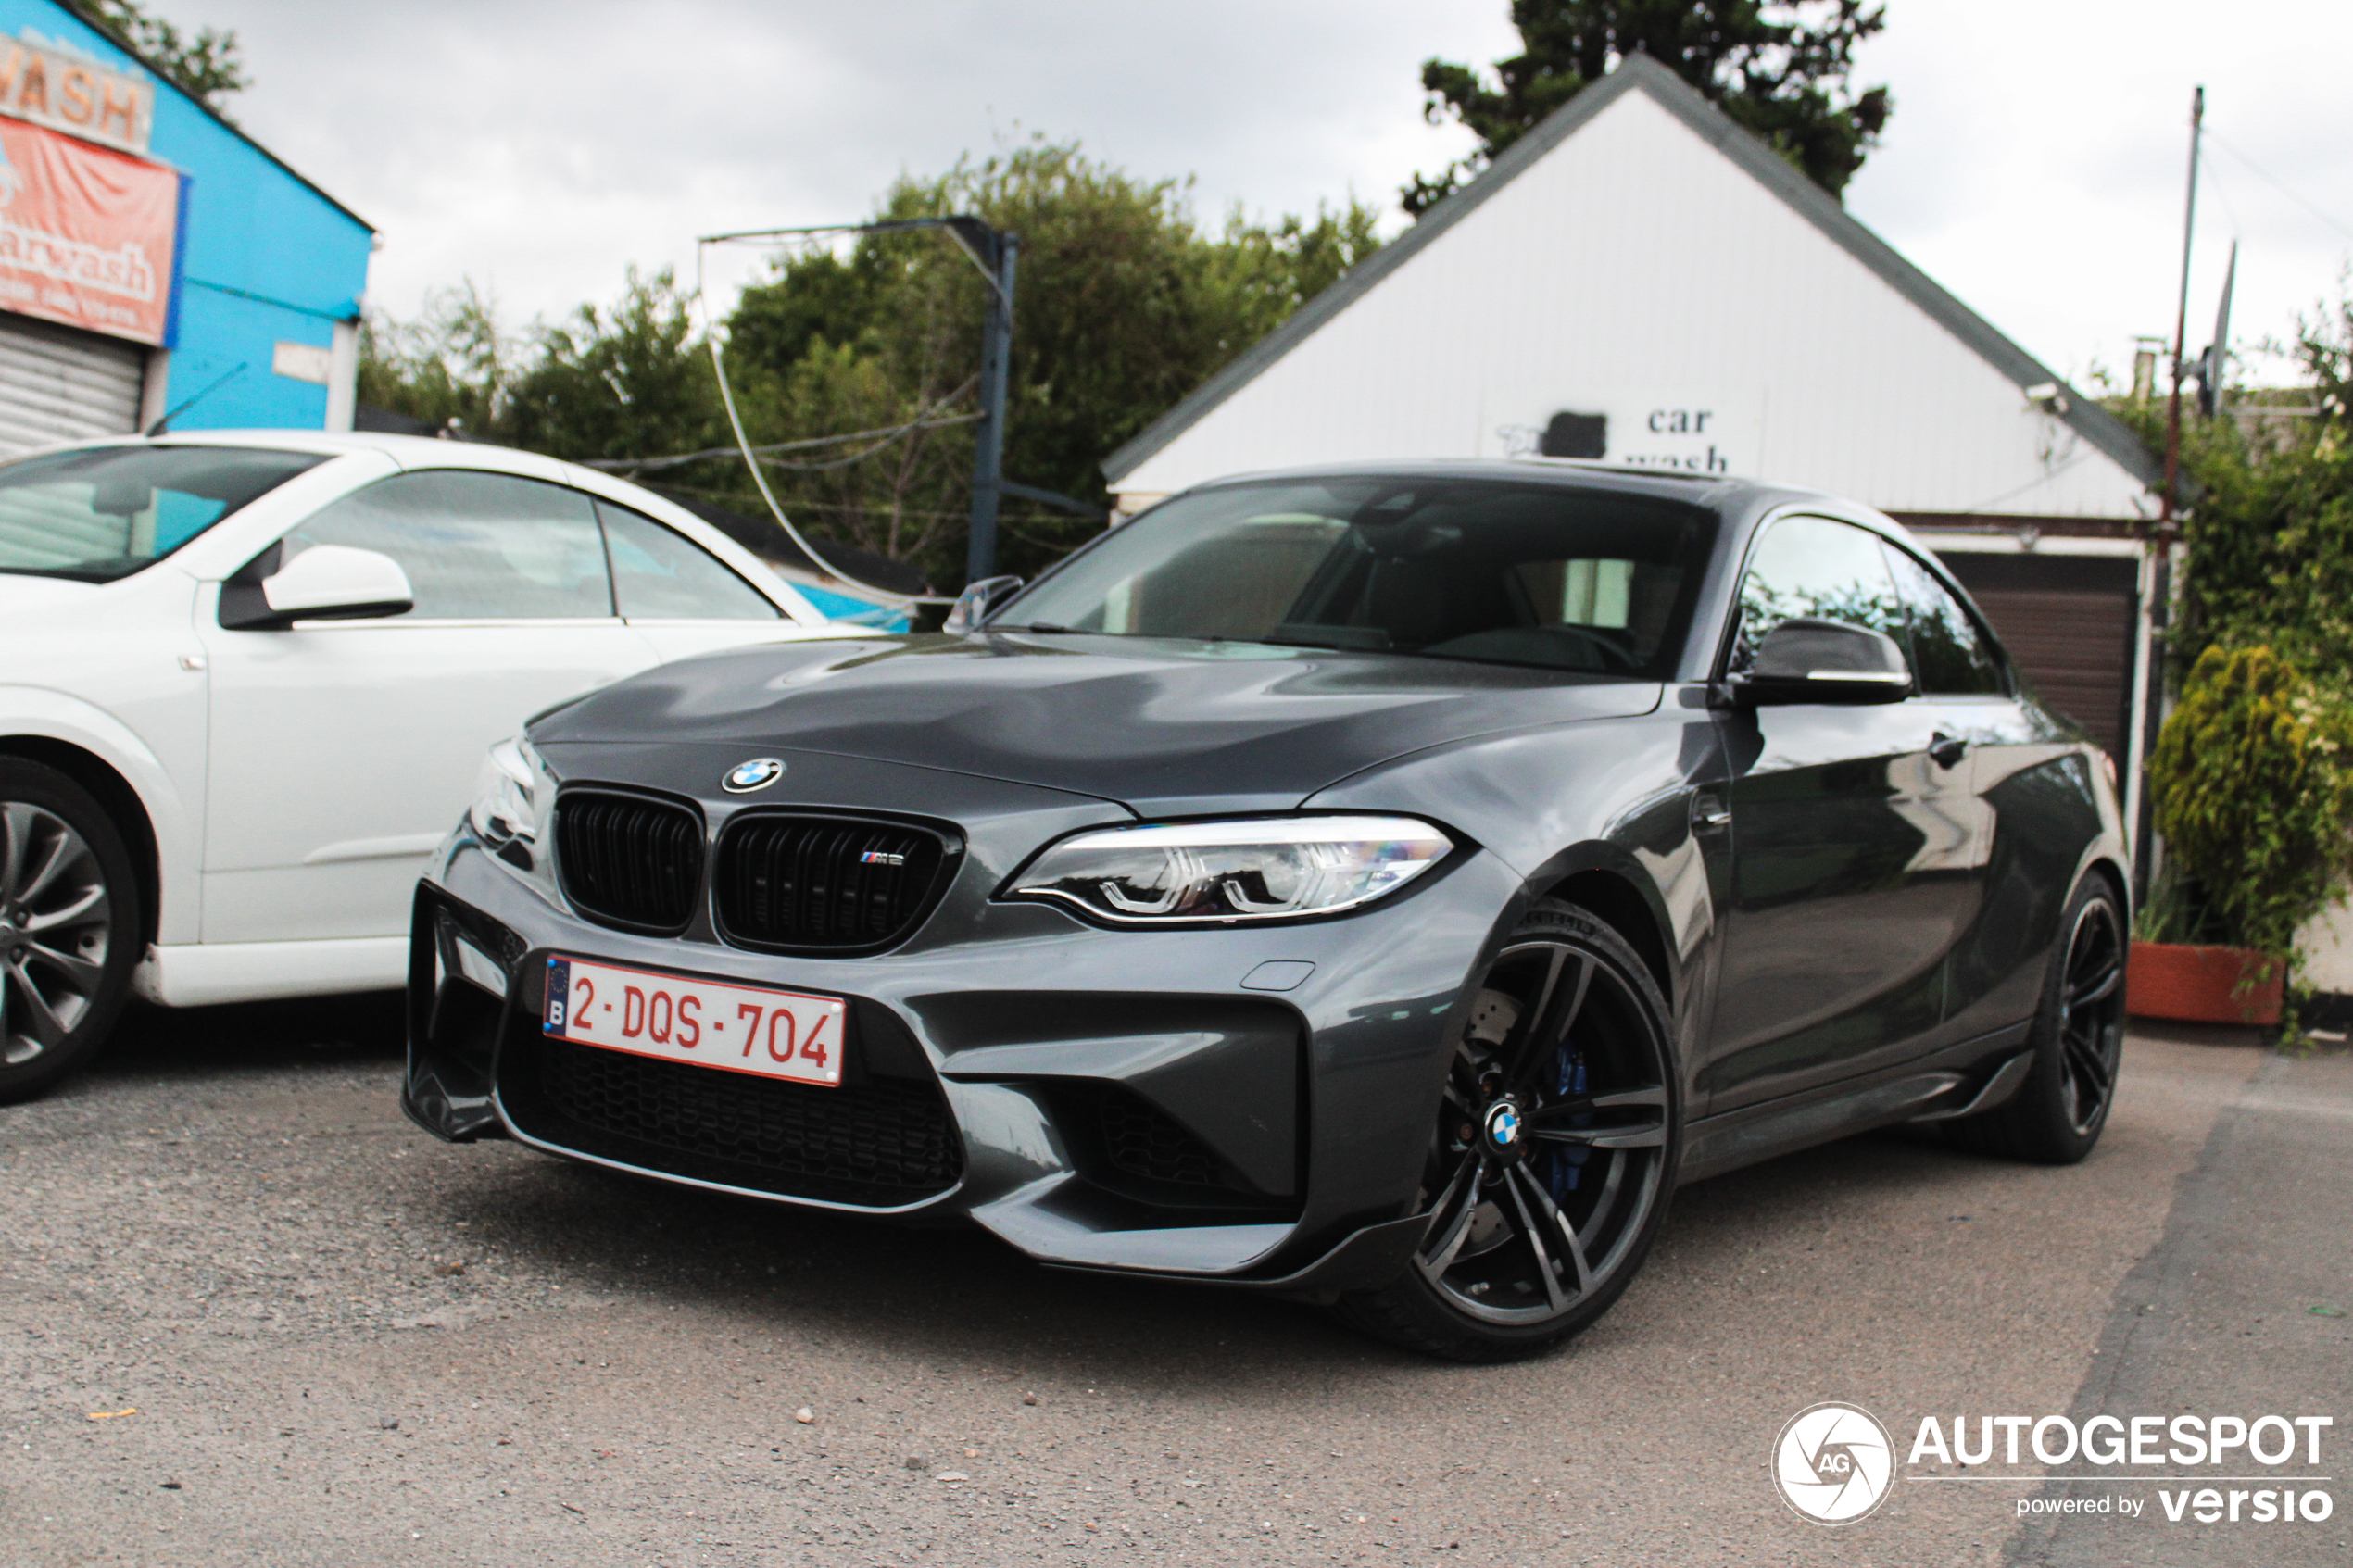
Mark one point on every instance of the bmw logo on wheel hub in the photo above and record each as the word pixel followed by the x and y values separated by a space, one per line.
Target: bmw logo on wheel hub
pixel 1503 1128
pixel 757 773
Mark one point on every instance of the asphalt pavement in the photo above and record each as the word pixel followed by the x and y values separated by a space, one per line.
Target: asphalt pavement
pixel 248 1316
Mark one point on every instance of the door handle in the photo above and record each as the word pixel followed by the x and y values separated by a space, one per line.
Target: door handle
pixel 1709 814
pixel 1946 750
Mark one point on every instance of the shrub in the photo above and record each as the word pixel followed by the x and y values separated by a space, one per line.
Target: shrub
pixel 2253 791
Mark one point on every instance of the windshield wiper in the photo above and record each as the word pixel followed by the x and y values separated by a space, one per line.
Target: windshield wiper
pixel 1041 626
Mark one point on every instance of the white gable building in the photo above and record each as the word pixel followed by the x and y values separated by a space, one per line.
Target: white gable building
pixel 1642 258
pixel 1641 281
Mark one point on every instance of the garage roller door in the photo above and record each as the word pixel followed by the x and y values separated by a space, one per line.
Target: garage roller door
pixel 60 384
pixel 2069 623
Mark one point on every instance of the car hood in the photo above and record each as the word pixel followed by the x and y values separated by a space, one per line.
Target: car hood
pixel 1156 724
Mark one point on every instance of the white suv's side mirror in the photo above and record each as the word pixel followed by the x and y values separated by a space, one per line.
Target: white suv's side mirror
pixel 324 583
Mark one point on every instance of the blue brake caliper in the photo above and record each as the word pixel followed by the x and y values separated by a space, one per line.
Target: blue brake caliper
pixel 1569 1159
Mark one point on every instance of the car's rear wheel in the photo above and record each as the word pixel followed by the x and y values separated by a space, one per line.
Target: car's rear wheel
pixel 2078 1036
pixel 1553 1153
pixel 68 927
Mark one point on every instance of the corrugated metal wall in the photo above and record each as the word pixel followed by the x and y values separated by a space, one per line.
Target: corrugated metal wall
pixel 60 384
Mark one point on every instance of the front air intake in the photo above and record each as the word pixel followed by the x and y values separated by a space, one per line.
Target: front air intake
pixel 629 862
pixel 827 883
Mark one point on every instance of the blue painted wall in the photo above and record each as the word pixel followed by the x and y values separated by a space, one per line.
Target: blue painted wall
pixel 264 258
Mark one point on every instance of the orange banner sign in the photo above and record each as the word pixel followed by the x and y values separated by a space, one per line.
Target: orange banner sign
pixel 85 233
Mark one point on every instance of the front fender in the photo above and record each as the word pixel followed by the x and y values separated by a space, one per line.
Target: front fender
pixel 175 820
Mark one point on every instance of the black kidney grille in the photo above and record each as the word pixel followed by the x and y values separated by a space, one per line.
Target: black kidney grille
pixel 823 882
pixel 883 1143
pixel 627 860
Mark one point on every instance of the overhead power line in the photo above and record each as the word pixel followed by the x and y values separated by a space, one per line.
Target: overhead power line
pixel 882 437
pixel 2280 185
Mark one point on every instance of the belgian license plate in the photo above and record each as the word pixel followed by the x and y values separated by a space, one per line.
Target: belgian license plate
pixel 751 1029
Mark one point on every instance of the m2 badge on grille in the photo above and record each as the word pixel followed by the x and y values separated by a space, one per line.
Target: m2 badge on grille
pixel 753 1029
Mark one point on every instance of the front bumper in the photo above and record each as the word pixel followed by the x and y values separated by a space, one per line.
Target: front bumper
pixel 1110 1099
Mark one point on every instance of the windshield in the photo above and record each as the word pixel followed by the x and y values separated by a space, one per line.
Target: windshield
pixel 101 513
pixel 1492 572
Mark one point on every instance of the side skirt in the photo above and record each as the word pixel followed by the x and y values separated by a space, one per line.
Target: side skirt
pixel 1957 1081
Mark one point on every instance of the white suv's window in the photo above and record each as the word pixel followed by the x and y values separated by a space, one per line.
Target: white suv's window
pixel 658 575
pixel 475 546
pixel 105 512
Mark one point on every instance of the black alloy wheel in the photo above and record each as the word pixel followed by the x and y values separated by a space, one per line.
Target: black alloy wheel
pixel 68 927
pixel 2078 1038
pixel 1557 1135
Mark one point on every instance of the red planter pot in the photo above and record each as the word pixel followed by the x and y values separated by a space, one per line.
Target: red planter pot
pixel 2202 984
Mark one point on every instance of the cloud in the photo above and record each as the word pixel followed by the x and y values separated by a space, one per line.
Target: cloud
pixel 2033 165
pixel 541 148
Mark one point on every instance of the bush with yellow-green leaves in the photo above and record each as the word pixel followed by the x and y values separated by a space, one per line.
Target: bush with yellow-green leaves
pixel 2252 778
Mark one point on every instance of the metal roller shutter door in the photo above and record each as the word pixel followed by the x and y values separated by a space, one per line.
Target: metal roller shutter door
pixel 60 384
pixel 2069 623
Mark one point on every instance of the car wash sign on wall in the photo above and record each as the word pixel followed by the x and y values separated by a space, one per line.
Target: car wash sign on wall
pixel 86 227
pixel 1692 428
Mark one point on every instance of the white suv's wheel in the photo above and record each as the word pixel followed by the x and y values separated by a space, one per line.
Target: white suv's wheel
pixel 68 926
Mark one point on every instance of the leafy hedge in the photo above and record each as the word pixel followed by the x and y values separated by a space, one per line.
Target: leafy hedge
pixel 2252 776
pixel 2254 795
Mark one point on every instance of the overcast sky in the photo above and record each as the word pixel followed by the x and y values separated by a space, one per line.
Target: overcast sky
pixel 2033 165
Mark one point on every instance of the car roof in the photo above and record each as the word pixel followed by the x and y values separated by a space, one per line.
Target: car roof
pixel 414 452
pixel 409 450
pixel 1710 489
pixel 1741 503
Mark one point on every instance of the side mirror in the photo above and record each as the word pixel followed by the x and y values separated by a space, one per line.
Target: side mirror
pixel 973 605
pixel 324 583
pixel 1811 661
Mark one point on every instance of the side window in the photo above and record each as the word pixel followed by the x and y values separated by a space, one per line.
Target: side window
pixel 1814 567
pixel 475 546
pixel 658 574
pixel 1949 654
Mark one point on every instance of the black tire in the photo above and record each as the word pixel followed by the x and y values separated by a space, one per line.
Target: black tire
pixel 70 925
pixel 2058 1113
pixel 1540 1216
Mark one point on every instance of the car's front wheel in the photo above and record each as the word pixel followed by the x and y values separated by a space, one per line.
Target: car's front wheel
pixel 68 926
pixel 1553 1152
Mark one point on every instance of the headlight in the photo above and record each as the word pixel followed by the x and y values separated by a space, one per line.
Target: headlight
pixel 1262 868
pixel 506 794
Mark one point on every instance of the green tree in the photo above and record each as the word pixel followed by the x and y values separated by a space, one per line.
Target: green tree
pixel 1778 67
pixel 630 381
pixel 861 361
pixel 208 65
pixel 2252 775
pixel 2270 532
pixel 453 362
pixel 1123 306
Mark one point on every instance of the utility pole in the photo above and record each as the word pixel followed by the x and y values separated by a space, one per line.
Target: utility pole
pixel 997 252
pixel 2160 573
pixel 2181 323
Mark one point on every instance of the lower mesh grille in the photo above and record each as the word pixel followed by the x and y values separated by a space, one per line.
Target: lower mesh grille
pixel 1143 1140
pixel 881 1143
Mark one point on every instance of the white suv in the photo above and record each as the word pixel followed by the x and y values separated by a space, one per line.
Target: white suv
pixel 248 677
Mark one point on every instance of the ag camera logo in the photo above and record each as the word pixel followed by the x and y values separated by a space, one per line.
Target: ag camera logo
pixel 1834 1464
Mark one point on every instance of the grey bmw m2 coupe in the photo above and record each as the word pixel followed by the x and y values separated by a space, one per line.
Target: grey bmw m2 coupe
pixel 1378 885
